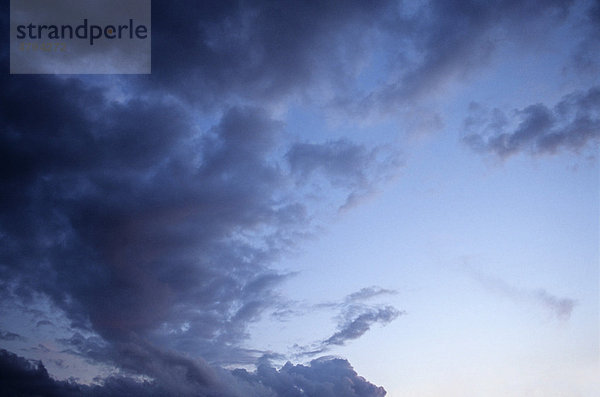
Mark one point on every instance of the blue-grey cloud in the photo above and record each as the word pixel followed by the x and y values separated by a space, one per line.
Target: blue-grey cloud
pixel 139 226
pixel 353 167
pixel 572 124
pixel 156 233
pixel 354 318
pixel 321 378
pixel 368 293
pixel 355 326
pixel 10 336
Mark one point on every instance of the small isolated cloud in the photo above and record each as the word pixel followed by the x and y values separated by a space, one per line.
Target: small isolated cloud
pixel 572 124
pixel 41 323
pixel 356 326
pixel 559 307
pixel 369 292
pixel 354 318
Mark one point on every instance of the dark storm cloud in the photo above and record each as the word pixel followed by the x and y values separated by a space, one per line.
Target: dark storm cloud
pixel 572 124
pixel 154 214
pixel 20 377
pixel 135 222
pixel 322 378
pixel 259 49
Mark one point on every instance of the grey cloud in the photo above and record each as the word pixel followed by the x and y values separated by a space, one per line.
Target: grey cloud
pixel 259 49
pixel 572 124
pixel 20 377
pixel 138 223
pixel 324 377
pixel 136 193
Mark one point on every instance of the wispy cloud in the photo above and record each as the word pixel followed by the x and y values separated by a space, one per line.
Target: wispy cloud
pixel 559 307
pixel 11 336
pixel 354 317
pixel 357 324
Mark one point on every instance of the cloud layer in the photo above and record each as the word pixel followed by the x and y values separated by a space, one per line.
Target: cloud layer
pixel 152 211
pixel 322 378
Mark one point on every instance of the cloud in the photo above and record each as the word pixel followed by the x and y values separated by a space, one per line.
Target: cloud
pixel 138 224
pixel 321 378
pixel 447 41
pixel 368 293
pixel 142 226
pixel 259 50
pixel 152 210
pixel 10 336
pixel 585 59
pixel 41 323
pixel 19 376
pixel 355 326
pixel 353 167
pixel 559 307
pixel 562 307
pixel 573 124
pixel 354 318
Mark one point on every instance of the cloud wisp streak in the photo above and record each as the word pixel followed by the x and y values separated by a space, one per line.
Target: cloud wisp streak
pixel 10 336
pixel 560 308
pixel 355 317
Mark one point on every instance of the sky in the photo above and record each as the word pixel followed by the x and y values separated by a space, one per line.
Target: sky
pixel 334 198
